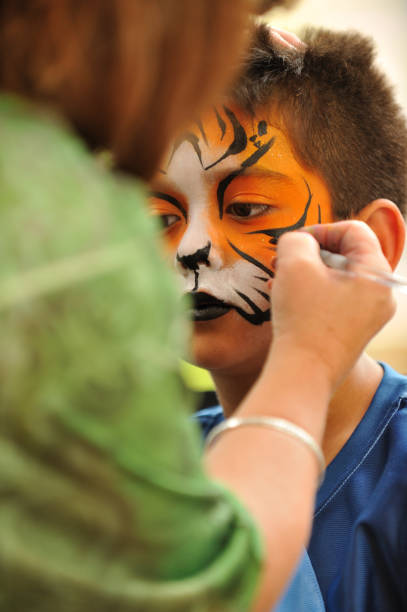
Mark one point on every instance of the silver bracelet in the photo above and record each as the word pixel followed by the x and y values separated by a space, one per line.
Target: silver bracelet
pixel 282 425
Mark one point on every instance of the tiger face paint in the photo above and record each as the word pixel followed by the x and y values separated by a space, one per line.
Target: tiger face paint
pixel 230 188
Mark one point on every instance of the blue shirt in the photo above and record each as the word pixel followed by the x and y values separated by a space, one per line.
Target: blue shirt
pixel 358 546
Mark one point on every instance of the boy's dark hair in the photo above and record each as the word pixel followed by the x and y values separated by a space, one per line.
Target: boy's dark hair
pixel 339 111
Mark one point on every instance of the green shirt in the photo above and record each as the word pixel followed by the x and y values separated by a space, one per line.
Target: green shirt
pixel 104 505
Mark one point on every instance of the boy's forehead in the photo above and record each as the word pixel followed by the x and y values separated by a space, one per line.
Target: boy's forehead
pixel 225 133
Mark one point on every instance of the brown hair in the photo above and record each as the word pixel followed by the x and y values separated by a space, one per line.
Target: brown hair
pixel 339 111
pixel 126 73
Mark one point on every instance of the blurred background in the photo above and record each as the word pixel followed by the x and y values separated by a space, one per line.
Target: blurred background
pixel 386 22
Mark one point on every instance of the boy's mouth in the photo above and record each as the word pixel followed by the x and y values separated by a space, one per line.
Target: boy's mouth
pixel 206 307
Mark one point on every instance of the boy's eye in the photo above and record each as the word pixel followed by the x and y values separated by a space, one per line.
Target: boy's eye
pixel 244 209
pixel 168 220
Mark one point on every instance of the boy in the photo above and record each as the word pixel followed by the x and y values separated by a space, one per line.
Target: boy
pixel 308 135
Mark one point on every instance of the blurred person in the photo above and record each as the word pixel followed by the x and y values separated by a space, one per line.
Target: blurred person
pixel 310 134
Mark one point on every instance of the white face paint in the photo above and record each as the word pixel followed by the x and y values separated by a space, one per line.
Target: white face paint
pixel 216 273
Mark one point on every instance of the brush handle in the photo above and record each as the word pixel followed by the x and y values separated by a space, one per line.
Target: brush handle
pixel 350 266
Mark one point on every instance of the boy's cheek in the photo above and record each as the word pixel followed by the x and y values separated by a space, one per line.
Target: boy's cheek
pixel 258 246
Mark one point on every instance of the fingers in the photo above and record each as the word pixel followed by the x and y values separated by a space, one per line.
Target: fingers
pixel 294 241
pixel 353 239
pixel 293 246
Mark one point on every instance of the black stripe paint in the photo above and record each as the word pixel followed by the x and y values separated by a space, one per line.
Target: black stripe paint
pixel 252 260
pixel 276 232
pixel 164 196
pixel 239 142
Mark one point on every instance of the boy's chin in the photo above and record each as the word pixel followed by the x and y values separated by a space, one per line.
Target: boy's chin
pixel 229 344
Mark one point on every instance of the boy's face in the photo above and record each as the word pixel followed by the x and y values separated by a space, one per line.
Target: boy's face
pixel 230 187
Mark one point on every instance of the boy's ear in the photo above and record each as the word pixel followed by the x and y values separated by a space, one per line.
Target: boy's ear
pixel 386 220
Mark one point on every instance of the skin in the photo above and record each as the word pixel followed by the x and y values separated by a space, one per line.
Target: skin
pixel 229 189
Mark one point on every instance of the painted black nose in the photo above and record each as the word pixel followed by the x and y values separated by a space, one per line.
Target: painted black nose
pixel 192 262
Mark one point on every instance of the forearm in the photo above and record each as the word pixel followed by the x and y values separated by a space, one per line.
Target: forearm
pixel 274 474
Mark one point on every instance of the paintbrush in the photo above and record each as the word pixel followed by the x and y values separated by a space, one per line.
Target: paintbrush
pixel 350 266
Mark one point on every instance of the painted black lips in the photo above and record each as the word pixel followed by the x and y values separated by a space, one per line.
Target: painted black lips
pixel 206 307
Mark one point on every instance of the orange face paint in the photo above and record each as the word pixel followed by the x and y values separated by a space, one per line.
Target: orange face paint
pixel 231 187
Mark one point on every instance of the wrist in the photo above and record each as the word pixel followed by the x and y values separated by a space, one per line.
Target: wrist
pixel 303 363
pixel 298 386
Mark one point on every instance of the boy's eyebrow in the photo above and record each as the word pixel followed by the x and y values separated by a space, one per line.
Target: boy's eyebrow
pixel 263 172
pixel 253 171
pixel 165 196
pixel 162 182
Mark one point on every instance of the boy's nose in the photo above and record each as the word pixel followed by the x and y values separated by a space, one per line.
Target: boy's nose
pixel 199 254
pixel 195 259
pixel 197 249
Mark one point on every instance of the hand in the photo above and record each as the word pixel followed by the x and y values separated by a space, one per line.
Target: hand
pixel 328 314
